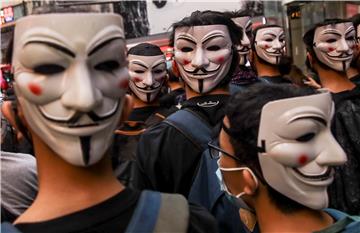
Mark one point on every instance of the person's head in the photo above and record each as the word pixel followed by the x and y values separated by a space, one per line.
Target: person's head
pixel 147 69
pixel 71 76
pixel 283 143
pixel 268 44
pixel 330 44
pixel 205 49
pixel 355 63
pixel 242 19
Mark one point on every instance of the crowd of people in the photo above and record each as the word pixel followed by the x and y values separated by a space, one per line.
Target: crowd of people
pixel 226 135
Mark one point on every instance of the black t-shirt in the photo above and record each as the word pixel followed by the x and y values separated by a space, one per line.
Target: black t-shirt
pixel 274 79
pixel 166 157
pixel 345 190
pixel 112 215
pixel 141 114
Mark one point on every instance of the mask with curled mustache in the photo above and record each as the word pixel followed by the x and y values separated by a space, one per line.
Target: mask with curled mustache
pixel 333 45
pixel 71 81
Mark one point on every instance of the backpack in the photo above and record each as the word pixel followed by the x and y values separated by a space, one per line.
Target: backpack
pixel 155 213
pixel 205 189
pixel 123 150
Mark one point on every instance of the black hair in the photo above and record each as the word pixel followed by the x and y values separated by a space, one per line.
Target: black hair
pixel 356 21
pixel 237 14
pixel 204 18
pixel 145 49
pixel 244 128
pixel 308 40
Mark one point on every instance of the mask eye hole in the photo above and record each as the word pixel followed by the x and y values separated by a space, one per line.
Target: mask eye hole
pixel 268 40
pixel 213 48
pixel 158 71
pixel 306 137
pixel 330 40
pixel 139 71
pixel 186 49
pixel 107 66
pixel 48 69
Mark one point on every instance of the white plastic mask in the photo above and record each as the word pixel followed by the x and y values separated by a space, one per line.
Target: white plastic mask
pixel 203 55
pixel 270 44
pixel 333 45
pixel 147 75
pixel 70 78
pixel 244 48
pixel 299 148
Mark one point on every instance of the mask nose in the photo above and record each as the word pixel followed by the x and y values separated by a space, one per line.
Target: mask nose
pixel 332 154
pixel 148 80
pixel 245 40
pixel 81 94
pixel 343 46
pixel 199 59
pixel 277 44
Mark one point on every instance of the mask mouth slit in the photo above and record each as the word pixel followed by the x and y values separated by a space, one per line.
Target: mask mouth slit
pixel 324 176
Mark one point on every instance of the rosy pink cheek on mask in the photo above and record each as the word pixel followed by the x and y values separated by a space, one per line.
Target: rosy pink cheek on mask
pixel 186 62
pixel 221 59
pixel 302 159
pixel 267 46
pixel 124 84
pixel 331 49
pixel 136 79
pixel 35 89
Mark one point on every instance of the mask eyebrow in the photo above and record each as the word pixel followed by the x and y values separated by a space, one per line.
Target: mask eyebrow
pixel 140 64
pixel 187 39
pixel 212 37
pixel 103 44
pixel 315 118
pixel 161 63
pixel 53 45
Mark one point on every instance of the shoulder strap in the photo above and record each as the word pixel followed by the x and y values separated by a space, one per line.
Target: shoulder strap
pixel 156 212
pixel 7 227
pixel 191 126
pixel 345 223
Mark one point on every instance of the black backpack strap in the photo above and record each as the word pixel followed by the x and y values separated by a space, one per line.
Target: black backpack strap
pixel 156 212
pixel 7 227
pixel 192 126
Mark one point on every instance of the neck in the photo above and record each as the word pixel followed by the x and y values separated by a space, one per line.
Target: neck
pixel 269 217
pixel 190 93
pixel 174 85
pixel 138 103
pixel 265 69
pixel 68 188
pixel 352 72
pixel 334 81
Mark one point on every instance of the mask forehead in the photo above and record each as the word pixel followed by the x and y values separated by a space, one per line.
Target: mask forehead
pixel 203 55
pixel 87 31
pixel 299 148
pixel 242 22
pixel 201 33
pixel 333 45
pixel 148 61
pixel 270 44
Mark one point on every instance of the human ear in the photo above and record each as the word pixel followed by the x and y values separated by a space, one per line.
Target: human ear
pixel 250 184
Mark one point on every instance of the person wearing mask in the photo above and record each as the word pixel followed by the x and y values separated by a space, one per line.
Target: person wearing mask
pixel 280 167
pixel 70 85
pixel 204 47
pixel 354 70
pixel 329 47
pixel 267 56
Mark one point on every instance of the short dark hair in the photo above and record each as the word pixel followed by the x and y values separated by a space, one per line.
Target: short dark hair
pixel 308 40
pixel 204 18
pixel 145 49
pixel 237 14
pixel 244 129
pixel 356 21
